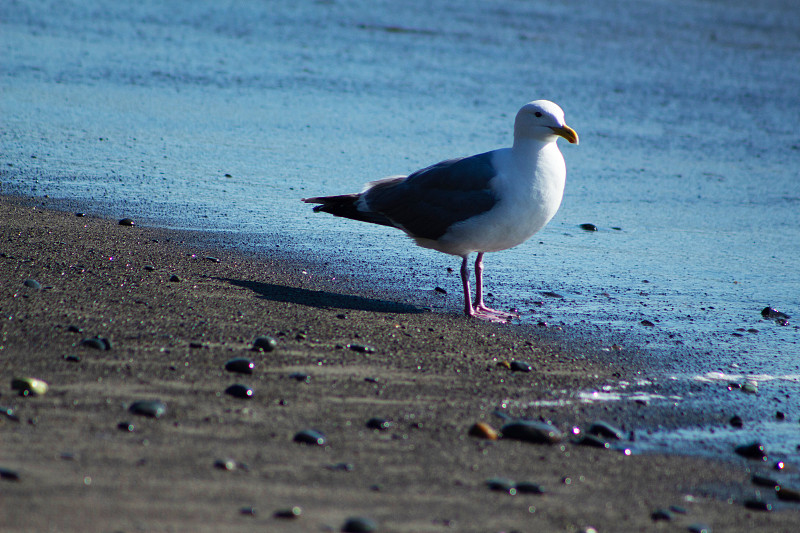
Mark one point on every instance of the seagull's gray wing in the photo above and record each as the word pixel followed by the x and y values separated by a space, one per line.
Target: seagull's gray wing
pixel 429 201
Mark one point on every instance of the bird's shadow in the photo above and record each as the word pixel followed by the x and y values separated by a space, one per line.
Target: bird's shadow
pixel 322 299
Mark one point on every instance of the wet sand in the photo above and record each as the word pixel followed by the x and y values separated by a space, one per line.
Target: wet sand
pixel 432 374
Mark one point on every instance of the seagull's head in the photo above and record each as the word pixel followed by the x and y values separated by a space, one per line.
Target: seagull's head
pixel 544 121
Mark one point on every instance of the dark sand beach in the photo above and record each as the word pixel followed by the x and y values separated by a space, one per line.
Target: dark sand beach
pixel 68 467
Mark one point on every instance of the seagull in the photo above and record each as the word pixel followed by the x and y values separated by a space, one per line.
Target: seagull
pixel 482 203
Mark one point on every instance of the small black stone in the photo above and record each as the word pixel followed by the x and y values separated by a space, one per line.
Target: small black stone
pixel 528 487
pixel 175 279
pixel 787 494
pixel 237 390
pixel 647 323
pixel 341 467
pixel 661 514
pixel 500 484
pixel 9 475
pixel 240 365
pixel 520 366
pixel 736 421
pixel 605 430
pixel 381 424
pixel 288 514
pixel 264 344
pixel 361 348
pixel 126 426
pixel 588 227
pixel 32 284
pixel 149 408
pixel 773 314
pixel 127 222
pixel 311 437
pixel 359 524
pixel 754 450
pixel 756 504
pixel 780 415
pixel 531 431
pixel 300 376
pixel 440 290
pixel 96 343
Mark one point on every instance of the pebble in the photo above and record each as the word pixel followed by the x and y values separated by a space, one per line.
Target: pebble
pixel 757 504
pixel 127 222
pixel 289 514
pixel 8 412
pixel 237 390
pixel 361 348
pixel 763 481
pixel 531 431
pixel 605 430
pixel 588 227
pixel 311 437
pixel 240 365
pixel 341 467
pixel 32 284
pixel 149 408
pixel 482 430
pixel 661 514
pixel 773 314
pixel 96 343
pixel 225 464
pixel 381 424
pixel 501 484
pixel 520 366
pixel 300 376
pixel 9 475
pixel 359 524
pixel 751 387
pixel 528 487
pixel 787 494
pixel 29 386
pixel 754 450
pixel 647 323
pixel 264 344
pixel 551 294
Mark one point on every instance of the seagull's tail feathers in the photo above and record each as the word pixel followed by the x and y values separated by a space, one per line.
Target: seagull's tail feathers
pixel 346 205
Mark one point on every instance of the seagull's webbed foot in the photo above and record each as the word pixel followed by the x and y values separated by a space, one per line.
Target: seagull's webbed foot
pixel 482 312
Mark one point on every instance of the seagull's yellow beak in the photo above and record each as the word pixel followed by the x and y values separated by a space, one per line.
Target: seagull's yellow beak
pixel 568 133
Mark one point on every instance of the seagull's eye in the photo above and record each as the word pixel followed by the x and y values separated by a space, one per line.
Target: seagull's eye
pixel 538 114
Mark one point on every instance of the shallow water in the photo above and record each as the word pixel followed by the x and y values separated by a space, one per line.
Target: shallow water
pixel 197 115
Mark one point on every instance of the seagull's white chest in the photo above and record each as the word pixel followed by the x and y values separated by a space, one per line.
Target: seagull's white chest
pixel 529 189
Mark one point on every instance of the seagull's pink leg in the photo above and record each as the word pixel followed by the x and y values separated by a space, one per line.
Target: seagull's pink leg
pixel 465 282
pixel 481 311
